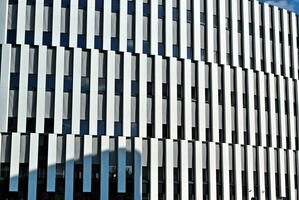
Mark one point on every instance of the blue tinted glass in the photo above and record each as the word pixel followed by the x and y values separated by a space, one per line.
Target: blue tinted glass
pixel 175 50
pixel 47 38
pixel 146 47
pixel 102 86
pixel 189 16
pixel 134 129
pixel 48 2
pixel 68 84
pixel 11 36
pixel 29 37
pixel 203 54
pixel 189 53
pixel 99 5
pixel 161 49
pixel 64 39
pixel 130 47
pixel 134 88
pixel 81 41
pixel 84 127
pixel 50 82
pixel 98 42
pixel 101 127
pixel 14 81
pixel 131 7
pixel 84 84
pixel 146 9
pixel 115 5
pixel 65 3
pixel 160 11
pixel 117 128
pixel 32 82
pixel 175 14
pixel 118 86
pixel 82 4
pixel 66 126
pixel 114 44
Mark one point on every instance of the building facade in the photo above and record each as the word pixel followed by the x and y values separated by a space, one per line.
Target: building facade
pixel 148 99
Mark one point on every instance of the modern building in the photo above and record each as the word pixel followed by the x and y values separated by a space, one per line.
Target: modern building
pixel 148 100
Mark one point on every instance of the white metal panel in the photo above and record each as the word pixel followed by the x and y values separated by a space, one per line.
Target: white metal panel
pixel 249 172
pixel 201 100
pixel 173 98
pixel 210 30
pixel 14 162
pixel 285 43
pixel 273 129
pixel 23 89
pixel 93 95
pixel 154 27
pixel 239 103
pixel 168 28
pixel 4 86
pixel 90 24
pixel 126 94
pixel 69 166
pixel 121 164
pixel 212 170
pixel 225 170
pixel 169 191
pixel 234 32
pixel 282 116
pixel 227 104
pixel 3 19
pixel 38 22
pixel 154 168
pixel 107 24
pixel 296 85
pixel 158 96
pixel 261 173
pixel 137 168
pixel 256 35
pixel 33 165
pixel 222 32
pixel 272 184
pixel 187 100
pixel 251 111
pixel 87 163
pixel 123 14
pixel 183 28
pixel 51 171
pixel 138 26
pixel 297 169
pixel 291 120
pixel 76 93
pixel 245 34
pixel 214 102
pixel 184 190
pixel 110 94
pixel 276 42
pixel 21 21
pixel 59 78
pixel 294 35
pixel 56 21
pixel 238 171
pixel 73 32
pixel 291 172
pixel 196 31
pixel 262 113
pixel 198 171
pixel 281 173
pixel 104 184
pixel 142 95
pixel 266 33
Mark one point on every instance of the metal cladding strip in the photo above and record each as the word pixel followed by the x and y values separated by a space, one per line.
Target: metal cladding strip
pixel 183 28
pixel 291 173
pixel 294 35
pixel 4 86
pixel 169 191
pixel 153 27
pixel 59 79
pixel 196 31
pixel 154 168
pixel 121 164
pixel 214 102
pixel 296 82
pixel 285 43
pixel 87 163
pixel 41 89
pixel 276 42
pixel 238 171
pixel 104 168
pixel 266 33
pixel 245 34
pixel 201 103
pixel 93 95
pixel 38 22
pixel 107 25
pixel 184 188
pixel 212 170
pixel 249 172
pixel 90 26
pixel 168 28
pixel 210 30
pixel 23 89
pixel 110 95
pixel 126 106
pixel 282 116
pixel 281 173
pixel 21 21
pixel 187 100
pixel 142 95
pixel 14 162
pixel 222 32
pixel 3 19
pixel 138 26
pixel 227 104
pixel 173 103
pixel 273 125
pixel 137 168
pixel 291 116
pixel 51 171
pixel 297 169
pixel 158 96
pixel 271 167
pixel 56 21
pixel 123 15
pixel 225 170
pixel 256 35
pixel 69 166
pixel 33 165
pixel 234 33
pixel 239 103
pixel 198 171
pixel 261 172
pixel 76 95
pixel 262 112
pixel 73 31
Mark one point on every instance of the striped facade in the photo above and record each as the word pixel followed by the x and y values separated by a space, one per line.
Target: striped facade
pixel 148 99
